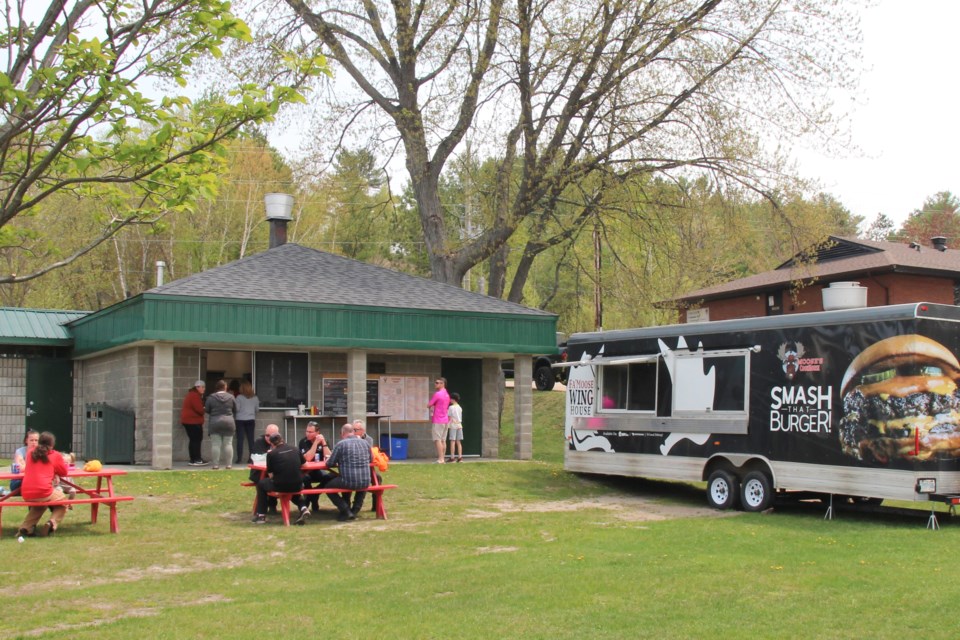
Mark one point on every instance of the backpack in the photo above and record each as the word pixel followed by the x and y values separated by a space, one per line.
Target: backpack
pixel 380 460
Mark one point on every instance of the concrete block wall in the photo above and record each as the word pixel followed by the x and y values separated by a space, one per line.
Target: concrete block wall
pixel 186 371
pixel 13 402
pixel 124 380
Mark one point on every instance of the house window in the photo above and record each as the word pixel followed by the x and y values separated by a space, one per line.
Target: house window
pixel 282 378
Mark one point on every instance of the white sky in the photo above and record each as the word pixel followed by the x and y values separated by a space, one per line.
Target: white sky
pixel 906 118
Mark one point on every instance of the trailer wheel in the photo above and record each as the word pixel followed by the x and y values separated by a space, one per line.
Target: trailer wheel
pixel 544 379
pixel 756 492
pixel 722 488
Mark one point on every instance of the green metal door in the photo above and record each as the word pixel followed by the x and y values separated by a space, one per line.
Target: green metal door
pixel 464 376
pixel 50 399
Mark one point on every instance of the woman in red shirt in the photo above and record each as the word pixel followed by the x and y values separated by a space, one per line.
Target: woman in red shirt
pixel 43 463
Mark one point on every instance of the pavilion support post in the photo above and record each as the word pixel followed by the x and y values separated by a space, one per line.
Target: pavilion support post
pixel 523 407
pixel 163 406
pixel 356 386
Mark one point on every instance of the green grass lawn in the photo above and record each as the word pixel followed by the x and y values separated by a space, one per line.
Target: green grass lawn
pixel 478 550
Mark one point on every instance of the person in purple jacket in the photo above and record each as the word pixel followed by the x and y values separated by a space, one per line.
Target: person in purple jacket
pixel 438 406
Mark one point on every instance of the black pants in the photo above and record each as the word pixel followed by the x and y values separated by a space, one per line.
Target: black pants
pixel 195 433
pixel 265 486
pixel 340 500
pixel 244 431
pixel 316 479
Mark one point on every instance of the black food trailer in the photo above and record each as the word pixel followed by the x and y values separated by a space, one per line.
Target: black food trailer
pixel 859 403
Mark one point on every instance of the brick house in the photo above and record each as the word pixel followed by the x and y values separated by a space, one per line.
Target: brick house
pixel 892 273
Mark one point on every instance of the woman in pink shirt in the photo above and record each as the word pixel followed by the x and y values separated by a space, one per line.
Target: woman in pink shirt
pixel 43 463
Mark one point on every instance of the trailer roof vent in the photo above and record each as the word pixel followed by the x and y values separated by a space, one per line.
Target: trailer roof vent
pixel 844 295
pixel 939 243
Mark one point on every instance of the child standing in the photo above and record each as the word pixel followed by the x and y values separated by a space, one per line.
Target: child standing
pixel 455 429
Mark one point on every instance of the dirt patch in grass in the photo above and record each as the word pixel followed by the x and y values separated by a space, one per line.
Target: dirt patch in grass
pixel 632 509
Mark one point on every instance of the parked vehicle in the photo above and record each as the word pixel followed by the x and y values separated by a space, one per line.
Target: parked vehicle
pixel 855 403
pixel 545 376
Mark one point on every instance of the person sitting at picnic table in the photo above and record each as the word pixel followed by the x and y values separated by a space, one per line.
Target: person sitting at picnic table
pixel 43 463
pixel 30 439
pixel 352 457
pixel 283 476
pixel 313 448
pixel 261 446
pixel 360 430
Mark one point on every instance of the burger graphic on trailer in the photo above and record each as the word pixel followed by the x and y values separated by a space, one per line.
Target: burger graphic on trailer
pixel 856 403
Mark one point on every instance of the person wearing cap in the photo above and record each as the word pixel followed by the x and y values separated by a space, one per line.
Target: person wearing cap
pixel 313 448
pixel 283 476
pixel 191 417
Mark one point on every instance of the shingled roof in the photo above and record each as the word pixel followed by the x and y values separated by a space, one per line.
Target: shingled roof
pixel 841 258
pixel 279 274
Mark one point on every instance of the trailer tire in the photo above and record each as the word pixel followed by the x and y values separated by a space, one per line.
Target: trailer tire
pixel 544 378
pixel 756 491
pixel 722 489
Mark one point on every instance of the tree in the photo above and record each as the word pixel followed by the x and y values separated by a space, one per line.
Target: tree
pixel 569 89
pixel 77 119
pixel 938 216
pixel 882 228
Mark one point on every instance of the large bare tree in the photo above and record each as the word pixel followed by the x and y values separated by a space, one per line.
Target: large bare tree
pixel 558 90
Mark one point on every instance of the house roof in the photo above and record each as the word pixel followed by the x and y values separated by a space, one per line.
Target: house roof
pixel 842 257
pixel 42 327
pixel 279 274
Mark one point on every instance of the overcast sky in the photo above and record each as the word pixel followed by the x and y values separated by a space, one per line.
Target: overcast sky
pixel 906 123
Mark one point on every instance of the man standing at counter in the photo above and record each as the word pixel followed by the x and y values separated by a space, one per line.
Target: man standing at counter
pixel 438 406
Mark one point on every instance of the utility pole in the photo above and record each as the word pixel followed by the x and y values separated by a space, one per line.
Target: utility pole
pixel 597 284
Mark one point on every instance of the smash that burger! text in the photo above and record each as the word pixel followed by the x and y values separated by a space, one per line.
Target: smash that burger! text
pixel 900 402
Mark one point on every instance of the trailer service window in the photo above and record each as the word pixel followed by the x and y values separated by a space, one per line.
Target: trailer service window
pixel 701 384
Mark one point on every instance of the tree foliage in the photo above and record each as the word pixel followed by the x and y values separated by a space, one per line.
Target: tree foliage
pixel 939 216
pixel 89 112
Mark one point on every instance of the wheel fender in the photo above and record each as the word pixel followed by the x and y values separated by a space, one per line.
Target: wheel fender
pixel 742 463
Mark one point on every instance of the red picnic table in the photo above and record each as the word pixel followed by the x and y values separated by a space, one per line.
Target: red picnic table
pixel 85 495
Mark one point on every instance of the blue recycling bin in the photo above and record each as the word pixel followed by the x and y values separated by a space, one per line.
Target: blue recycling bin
pixel 397 449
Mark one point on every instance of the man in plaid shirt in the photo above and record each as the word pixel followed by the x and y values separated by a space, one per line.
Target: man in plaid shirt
pixel 352 457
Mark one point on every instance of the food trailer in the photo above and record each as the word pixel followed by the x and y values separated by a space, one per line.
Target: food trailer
pixel 859 403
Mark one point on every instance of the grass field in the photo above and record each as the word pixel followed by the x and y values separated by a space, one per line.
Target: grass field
pixel 478 550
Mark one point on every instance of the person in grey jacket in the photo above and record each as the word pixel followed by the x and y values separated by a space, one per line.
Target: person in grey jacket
pixel 220 408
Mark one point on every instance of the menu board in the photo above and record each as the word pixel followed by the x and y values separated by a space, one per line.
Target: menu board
pixel 335 396
pixel 404 398
pixel 391 397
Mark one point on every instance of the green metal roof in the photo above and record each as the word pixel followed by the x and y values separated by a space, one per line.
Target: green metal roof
pixel 151 317
pixel 296 297
pixel 43 327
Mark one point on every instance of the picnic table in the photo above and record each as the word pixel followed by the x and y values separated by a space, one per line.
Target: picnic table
pixel 375 488
pixel 103 493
